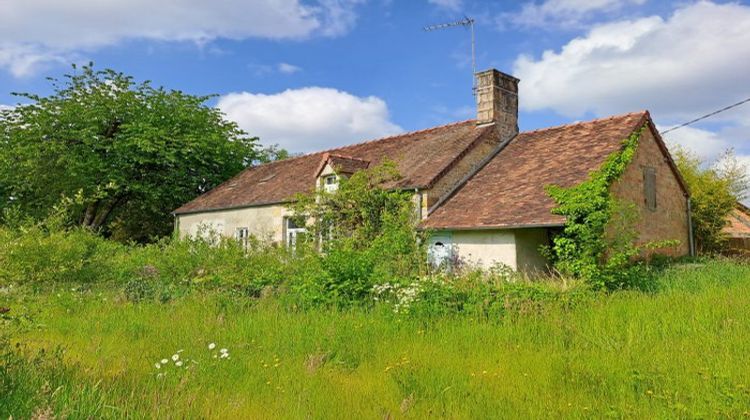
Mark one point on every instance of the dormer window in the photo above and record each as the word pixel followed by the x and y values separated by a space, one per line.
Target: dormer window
pixel 331 183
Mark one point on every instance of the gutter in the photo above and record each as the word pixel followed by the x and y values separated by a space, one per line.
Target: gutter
pixel 497 227
pixel 691 239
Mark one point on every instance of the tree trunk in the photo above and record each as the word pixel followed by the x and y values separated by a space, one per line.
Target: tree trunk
pixel 89 214
pixel 105 211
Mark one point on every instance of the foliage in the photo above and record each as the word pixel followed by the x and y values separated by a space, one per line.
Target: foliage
pixel 540 350
pixel 583 249
pixel 124 154
pixel 34 254
pixel 714 192
pixel 366 230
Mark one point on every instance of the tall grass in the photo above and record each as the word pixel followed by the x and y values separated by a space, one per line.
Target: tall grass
pixel 678 352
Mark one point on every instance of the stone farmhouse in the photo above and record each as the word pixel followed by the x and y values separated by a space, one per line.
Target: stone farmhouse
pixel 478 185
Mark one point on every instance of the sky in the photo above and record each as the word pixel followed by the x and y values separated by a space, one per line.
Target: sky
pixel 314 74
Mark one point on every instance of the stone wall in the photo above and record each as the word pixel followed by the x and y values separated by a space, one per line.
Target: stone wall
pixel 669 221
pixel 462 168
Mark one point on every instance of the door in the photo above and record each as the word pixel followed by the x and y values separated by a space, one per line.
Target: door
pixel 440 249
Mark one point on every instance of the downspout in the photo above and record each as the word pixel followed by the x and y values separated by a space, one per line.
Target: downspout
pixel 691 239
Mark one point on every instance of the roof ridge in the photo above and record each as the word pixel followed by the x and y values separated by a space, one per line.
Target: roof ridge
pixel 333 150
pixel 611 117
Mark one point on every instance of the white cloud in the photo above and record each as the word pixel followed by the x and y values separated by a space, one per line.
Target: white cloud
pixel 309 119
pixel 679 68
pixel 693 62
pixel 561 13
pixel 287 68
pixel 41 31
pixel 707 145
pixel 452 5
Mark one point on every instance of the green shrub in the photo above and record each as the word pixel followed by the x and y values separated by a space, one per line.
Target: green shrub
pixel 34 255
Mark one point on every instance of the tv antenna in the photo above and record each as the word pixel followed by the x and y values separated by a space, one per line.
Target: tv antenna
pixel 465 22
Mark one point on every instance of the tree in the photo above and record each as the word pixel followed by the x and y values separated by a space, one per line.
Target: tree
pixel 714 192
pixel 122 154
pixel 368 232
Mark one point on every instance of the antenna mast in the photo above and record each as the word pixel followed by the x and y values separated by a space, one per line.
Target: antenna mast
pixel 465 22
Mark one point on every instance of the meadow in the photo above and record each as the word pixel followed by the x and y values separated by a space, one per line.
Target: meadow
pixel 86 351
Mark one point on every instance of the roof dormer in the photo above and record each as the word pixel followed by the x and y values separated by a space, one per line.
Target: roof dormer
pixel 333 167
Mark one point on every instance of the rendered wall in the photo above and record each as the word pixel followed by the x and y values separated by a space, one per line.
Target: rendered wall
pixel 264 222
pixel 529 259
pixel 485 248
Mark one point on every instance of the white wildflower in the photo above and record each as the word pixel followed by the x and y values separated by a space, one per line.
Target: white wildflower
pixel 224 351
pixel 158 366
pixel 175 357
pixel 224 355
pixel 212 346
pixel 164 361
pixel 178 363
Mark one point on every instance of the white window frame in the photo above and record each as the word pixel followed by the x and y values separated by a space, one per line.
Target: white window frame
pixel 291 233
pixel 331 183
pixel 242 235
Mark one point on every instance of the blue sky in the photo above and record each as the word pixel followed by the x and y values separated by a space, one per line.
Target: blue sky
pixel 313 74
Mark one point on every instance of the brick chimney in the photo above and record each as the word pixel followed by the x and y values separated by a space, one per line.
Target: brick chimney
pixel 497 101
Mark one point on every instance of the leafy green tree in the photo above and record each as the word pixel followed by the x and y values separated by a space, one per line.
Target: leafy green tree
pixel 122 154
pixel 368 233
pixel 714 192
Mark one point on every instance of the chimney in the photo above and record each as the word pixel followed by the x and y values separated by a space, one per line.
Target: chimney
pixel 497 101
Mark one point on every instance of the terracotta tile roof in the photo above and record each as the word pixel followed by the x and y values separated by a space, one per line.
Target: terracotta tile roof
pixel 420 156
pixel 509 190
pixel 738 223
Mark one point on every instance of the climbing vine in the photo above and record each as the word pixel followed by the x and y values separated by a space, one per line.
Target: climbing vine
pixel 582 248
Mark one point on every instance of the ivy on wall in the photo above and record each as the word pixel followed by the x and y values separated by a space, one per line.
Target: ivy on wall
pixel 582 249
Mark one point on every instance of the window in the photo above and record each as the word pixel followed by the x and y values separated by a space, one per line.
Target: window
pixel 241 235
pixel 649 187
pixel 293 233
pixel 331 183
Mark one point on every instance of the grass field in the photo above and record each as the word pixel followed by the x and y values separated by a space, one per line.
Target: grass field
pixel 681 351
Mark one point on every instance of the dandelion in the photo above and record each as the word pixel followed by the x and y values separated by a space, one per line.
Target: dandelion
pixel 175 357
pixel 178 363
pixel 212 346
pixel 164 361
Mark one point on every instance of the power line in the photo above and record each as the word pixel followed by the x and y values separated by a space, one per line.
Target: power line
pixel 707 115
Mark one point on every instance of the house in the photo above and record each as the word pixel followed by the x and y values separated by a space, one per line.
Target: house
pixel 478 185
pixel 737 229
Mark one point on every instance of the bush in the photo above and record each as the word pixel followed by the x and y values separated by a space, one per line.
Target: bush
pixel 714 192
pixel 35 255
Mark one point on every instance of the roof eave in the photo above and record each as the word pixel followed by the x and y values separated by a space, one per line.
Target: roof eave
pixel 496 227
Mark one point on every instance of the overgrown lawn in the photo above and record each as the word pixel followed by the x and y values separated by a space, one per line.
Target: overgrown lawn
pixel 680 351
